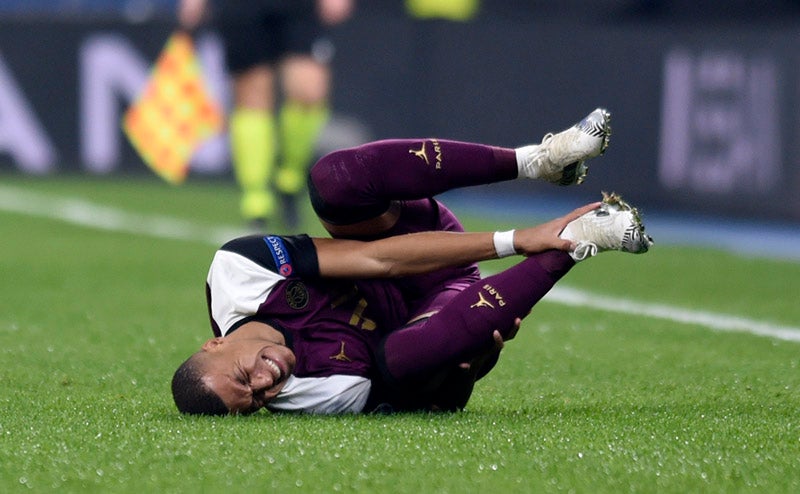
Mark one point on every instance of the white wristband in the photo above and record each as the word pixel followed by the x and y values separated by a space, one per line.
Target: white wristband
pixel 504 243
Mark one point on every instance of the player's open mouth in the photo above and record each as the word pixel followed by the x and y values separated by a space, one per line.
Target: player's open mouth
pixel 277 372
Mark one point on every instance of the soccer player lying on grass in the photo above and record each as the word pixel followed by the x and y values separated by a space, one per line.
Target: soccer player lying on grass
pixel 391 310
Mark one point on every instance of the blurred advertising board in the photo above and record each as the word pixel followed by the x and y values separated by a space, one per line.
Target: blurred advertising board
pixel 704 115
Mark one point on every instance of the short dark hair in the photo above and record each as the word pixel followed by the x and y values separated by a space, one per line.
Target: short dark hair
pixel 190 392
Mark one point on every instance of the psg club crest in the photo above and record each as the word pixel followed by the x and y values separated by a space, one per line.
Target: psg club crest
pixel 297 295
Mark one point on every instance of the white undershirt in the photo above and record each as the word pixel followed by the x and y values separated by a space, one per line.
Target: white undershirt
pixel 322 395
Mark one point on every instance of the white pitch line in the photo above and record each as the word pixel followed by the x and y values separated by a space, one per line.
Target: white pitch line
pixel 712 320
pixel 88 214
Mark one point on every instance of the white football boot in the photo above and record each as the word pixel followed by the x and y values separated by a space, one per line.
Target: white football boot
pixel 561 158
pixel 615 225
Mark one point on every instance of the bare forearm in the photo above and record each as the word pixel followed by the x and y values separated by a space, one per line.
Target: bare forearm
pixel 402 255
pixel 428 251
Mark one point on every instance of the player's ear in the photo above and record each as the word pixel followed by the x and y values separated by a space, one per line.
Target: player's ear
pixel 212 344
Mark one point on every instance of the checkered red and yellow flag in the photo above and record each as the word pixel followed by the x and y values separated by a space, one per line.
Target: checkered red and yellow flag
pixel 174 114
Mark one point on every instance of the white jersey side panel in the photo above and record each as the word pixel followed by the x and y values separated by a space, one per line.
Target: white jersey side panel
pixel 323 395
pixel 238 286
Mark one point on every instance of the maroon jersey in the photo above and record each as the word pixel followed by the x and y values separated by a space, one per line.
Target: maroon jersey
pixel 333 326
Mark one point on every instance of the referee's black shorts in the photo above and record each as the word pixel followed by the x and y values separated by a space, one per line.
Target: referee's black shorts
pixel 264 31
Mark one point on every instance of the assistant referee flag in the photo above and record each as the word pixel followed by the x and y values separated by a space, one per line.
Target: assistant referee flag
pixel 174 114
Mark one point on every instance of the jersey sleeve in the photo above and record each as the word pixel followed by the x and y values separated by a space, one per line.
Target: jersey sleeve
pixel 286 255
pixel 245 270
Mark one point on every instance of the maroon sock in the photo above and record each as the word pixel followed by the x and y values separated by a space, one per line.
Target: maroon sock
pixel 354 184
pixel 463 329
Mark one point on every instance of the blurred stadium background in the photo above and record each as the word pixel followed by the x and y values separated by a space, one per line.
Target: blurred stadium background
pixel 704 96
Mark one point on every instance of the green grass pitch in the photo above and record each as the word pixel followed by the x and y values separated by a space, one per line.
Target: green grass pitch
pixel 94 322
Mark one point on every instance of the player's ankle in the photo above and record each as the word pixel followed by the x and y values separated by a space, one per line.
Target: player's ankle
pixel 525 162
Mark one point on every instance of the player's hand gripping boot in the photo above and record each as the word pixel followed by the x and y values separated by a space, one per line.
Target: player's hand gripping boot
pixel 615 225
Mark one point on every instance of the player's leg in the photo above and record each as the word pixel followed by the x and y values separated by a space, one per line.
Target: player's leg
pixel 463 328
pixel 420 363
pixel 351 187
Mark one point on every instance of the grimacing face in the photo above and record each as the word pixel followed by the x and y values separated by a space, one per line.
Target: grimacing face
pixel 246 373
